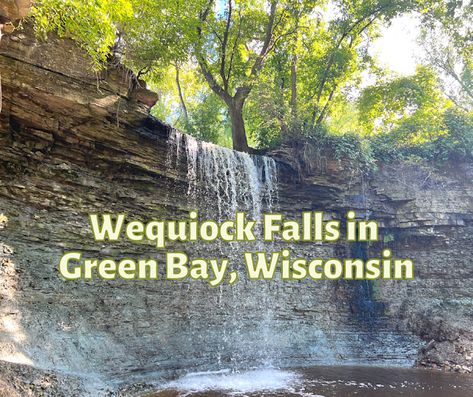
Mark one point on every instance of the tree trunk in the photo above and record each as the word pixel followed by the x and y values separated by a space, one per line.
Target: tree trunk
pixel 294 73
pixel 181 97
pixel 240 142
pixel 294 86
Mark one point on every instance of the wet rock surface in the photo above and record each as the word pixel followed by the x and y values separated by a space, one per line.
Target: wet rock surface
pixel 425 214
pixel 74 143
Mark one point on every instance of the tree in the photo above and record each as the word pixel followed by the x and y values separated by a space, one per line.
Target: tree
pixel 275 65
pixel 344 55
pixel 230 41
pixel 447 38
pixel 413 103
pixel 319 66
pixel 242 38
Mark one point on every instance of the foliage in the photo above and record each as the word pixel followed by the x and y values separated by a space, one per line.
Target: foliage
pixel 93 24
pixel 456 143
pixel 204 117
pixel 448 41
pixel 404 103
pixel 209 119
pixel 350 146
pixel 271 70
pixel 162 33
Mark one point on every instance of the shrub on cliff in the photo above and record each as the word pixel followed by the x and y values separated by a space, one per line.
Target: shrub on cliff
pixel 454 143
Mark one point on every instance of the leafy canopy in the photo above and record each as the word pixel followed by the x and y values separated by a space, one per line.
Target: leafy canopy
pixel 93 24
pixel 287 67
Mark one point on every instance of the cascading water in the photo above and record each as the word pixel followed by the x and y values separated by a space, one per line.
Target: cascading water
pixel 237 181
pixel 222 182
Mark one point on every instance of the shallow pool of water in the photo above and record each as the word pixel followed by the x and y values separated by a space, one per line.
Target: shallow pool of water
pixel 322 382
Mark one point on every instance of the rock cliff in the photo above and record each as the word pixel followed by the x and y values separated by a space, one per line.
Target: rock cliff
pixel 73 142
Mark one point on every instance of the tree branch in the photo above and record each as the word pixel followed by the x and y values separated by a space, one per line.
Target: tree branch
pixel 222 93
pixel 224 47
pixel 267 41
pixel 181 96
pixel 235 43
pixel 344 35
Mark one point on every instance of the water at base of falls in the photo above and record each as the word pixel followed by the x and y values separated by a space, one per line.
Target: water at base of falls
pixel 231 382
pixel 322 382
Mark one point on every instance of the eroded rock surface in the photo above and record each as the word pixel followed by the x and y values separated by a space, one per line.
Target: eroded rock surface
pixel 427 215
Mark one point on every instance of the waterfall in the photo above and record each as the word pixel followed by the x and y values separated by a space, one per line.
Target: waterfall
pixel 222 182
pixel 233 181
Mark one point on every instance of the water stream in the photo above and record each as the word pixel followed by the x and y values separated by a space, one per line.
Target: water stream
pixel 231 181
pixel 222 182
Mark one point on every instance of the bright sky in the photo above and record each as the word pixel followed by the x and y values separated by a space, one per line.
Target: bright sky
pixel 397 49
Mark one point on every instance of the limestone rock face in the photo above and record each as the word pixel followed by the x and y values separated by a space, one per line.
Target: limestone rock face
pixel 74 143
pixel 425 214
